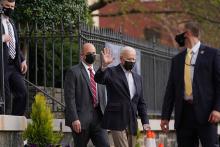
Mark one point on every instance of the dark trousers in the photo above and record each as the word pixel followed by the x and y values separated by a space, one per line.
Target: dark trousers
pixel 98 136
pixel 14 84
pixel 190 132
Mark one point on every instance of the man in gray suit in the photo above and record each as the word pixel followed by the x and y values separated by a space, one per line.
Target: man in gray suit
pixel 85 101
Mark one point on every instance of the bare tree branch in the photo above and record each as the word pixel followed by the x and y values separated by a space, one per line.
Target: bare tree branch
pixel 214 21
pixel 167 12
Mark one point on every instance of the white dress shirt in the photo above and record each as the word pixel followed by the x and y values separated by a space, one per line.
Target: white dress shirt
pixel 4 22
pixel 195 51
pixel 88 72
pixel 130 80
pixel 87 69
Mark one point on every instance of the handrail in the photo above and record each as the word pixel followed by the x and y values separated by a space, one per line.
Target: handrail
pixel 35 86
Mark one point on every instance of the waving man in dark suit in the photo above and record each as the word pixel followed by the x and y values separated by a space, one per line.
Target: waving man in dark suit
pixel 194 89
pixel 125 97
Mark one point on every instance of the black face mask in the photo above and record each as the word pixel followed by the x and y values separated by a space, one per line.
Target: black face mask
pixel 129 65
pixel 8 11
pixel 180 39
pixel 90 58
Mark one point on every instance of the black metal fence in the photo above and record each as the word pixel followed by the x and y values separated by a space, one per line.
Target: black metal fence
pixel 51 50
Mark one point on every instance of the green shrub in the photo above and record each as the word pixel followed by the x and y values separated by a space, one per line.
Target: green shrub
pixel 40 130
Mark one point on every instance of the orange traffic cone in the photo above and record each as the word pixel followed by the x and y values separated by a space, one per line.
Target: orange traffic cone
pixel 150 139
pixel 161 145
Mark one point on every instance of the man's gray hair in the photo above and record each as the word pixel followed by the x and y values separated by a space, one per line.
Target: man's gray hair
pixel 125 49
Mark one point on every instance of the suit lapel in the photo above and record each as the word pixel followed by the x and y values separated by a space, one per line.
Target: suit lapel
pixel 85 75
pixel 198 60
pixel 136 84
pixel 181 68
pixel 200 54
pixel 124 79
pixel 99 87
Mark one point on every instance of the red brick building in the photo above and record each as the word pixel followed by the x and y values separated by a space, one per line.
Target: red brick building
pixel 144 19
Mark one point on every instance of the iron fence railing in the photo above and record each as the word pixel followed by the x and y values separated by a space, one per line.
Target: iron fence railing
pixel 51 50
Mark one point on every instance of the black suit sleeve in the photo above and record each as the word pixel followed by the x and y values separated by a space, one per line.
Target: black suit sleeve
pixel 69 96
pixel 168 102
pixel 142 107
pixel 101 77
pixel 21 55
pixel 217 81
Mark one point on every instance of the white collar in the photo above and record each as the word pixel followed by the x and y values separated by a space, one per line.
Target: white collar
pixel 86 66
pixel 195 48
pixel 4 18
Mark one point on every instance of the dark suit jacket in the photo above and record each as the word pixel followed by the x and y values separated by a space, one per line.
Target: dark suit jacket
pixel 206 86
pixel 120 109
pixel 19 58
pixel 78 96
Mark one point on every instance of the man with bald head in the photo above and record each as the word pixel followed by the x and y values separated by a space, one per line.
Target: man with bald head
pixel 124 95
pixel 85 101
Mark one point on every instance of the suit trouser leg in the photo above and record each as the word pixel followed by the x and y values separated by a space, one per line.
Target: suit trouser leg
pixel 15 84
pixel 123 138
pixel 120 138
pixel 8 101
pixel 98 135
pixel 208 135
pixel 19 91
pixel 81 139
pixel 190 131
pixel 132 140
pixel 187 135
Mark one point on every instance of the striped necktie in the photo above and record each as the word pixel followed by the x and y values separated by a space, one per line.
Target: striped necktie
pixel 93 87
pixel 187 73
pixel 12 51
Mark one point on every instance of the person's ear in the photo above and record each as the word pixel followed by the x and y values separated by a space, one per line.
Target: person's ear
pixel 121 59
pixel 188 33
pixel 81 55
